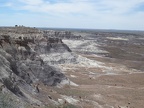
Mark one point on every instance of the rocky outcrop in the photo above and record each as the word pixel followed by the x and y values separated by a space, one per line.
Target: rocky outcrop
pixel 48 45
pixel 21 64
pixel 61 34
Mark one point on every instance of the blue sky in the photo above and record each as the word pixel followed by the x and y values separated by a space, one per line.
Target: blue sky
pixel 95 14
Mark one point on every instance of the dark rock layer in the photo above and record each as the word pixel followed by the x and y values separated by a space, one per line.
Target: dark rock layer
pixel 20 63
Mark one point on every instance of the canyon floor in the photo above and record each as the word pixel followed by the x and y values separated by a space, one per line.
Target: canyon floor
pixel 109 73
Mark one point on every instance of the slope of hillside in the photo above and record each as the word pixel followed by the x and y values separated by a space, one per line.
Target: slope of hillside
pixel 22 69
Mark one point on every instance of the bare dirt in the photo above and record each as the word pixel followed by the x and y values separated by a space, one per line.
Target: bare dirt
pixel 118 79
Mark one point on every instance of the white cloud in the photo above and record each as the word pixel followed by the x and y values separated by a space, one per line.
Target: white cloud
pixel 100 14
pixel 58 7
pixel 32 2
pixel 115 6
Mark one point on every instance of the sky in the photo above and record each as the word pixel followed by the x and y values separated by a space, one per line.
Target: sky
pixel 88 14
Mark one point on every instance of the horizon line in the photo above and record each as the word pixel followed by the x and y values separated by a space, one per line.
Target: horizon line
pixel 78 28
